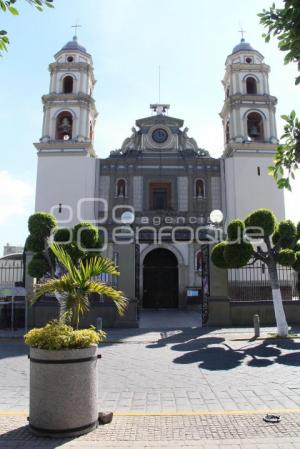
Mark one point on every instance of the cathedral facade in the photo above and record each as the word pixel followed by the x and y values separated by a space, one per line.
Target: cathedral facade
pixel 160 177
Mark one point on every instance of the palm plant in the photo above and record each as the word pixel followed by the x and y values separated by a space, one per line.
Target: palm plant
pixel 77 283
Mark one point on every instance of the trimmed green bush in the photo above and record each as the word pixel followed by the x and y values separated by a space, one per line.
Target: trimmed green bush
pixel 57 335
pixel 217 255
pixel 297 247
pixel 41 224
pixel 286 257
pixel 275 237
pixel 235 230
pixel 262 218
pixel 63 235
pixel 73 251
pixel 86 235
pixel 238 255
pixel 296 265
pixel 34 244
pixel 38 266
pixel 298 230
pixel 287 230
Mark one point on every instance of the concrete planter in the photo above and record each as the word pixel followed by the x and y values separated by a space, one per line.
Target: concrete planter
pixel 63 392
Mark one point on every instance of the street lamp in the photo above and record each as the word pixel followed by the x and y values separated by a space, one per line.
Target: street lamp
pixel 216 217
pixel 127 219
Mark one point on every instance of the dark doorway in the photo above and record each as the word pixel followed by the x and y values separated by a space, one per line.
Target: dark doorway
pixel 160 277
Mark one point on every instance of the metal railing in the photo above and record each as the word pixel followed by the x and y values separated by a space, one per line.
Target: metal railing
pixel 11 271
pixel 252 283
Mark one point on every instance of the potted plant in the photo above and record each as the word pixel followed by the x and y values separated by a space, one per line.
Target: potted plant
pixel 63 359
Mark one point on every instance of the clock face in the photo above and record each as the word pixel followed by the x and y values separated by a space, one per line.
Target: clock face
pixel 160 135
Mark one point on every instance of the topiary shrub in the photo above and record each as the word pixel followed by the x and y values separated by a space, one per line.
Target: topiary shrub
pixel 57 335
pixel 261 218
pixel 34 244
pixel 287 229
pixel 217 255
pixel 280 247
pixel 38 266
pixel 235 230
pixel 41 224
pixel 85 235
pixel 275 237
pixel 63 235
pixel 298 230
pixel 296 265
pixel 283 242
pixel 74 252
pixel 286 257
pixel 238 255
pixel 297 247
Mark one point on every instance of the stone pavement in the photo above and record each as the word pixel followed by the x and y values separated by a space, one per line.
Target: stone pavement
pixel 202 432
pixel 175 386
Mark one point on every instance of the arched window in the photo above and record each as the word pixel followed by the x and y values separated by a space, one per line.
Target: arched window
pixel 91 131
pixel 199 188
pixel 227 133
pixel 255 127
pixel 64 125
pixel 121 188
pixel 67 85
pixel 251 85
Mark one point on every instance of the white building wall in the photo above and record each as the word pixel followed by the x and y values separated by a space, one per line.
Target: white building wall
pixel 66 180
pixel 246 190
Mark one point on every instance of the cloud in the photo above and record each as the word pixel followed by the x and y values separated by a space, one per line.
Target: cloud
pixel 16 197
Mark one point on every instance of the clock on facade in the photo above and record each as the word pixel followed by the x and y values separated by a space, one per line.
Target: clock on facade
pixel 160 135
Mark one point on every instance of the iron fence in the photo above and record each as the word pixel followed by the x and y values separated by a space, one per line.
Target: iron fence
pixel 252 283
pixel 11 272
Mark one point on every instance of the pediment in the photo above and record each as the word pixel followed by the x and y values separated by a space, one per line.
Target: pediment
pixel 165 120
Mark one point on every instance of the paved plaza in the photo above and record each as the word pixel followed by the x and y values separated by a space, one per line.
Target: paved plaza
pixel 187 386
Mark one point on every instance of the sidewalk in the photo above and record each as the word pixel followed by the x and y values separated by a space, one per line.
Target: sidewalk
pixel 202 432
pixel 152 334
pixel 183 387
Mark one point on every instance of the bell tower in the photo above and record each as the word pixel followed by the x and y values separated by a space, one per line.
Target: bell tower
pixel 250 135
pixel 69 108
pixel 66 156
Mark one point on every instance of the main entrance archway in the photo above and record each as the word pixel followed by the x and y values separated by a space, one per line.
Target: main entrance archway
pixel 160 279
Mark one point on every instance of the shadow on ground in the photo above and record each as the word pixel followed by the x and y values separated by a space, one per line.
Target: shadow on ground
pixel 214 353
pixel 12 348
pixel 21 435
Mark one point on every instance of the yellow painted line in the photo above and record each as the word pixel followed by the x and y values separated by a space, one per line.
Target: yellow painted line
pixel 180 413
pixel 13 413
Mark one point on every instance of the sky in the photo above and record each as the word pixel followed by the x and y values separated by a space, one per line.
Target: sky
pixel 128 40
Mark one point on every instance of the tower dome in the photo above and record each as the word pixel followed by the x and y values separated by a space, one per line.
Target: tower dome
pixel 242 46
pixel 73 45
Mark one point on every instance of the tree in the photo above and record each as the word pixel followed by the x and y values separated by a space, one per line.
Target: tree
pixel 77 284
pixel 284 23
pixel 81 244
pixel 260 237
pixel 287 157
pixel 10 6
